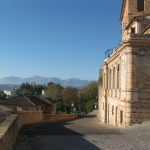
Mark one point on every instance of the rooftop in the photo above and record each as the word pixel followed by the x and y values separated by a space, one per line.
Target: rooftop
pixel 28 101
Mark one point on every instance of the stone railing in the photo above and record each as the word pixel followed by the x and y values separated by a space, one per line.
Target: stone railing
pixel 137 36
pixel 9 129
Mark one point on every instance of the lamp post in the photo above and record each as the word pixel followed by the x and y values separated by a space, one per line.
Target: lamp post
pixel 96 103
pixel 72 104
pixel 64 89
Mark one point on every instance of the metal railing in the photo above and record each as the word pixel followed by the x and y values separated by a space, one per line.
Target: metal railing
pixel 108 52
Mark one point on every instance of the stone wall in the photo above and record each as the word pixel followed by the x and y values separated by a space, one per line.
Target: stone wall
pixel 38 117
pixel 48 118
pixel 130 11
pixel 9 132
pixel 9 129
pixel 132 6
pixel 29 117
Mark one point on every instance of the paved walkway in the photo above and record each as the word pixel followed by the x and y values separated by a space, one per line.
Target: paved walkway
pixel 84 133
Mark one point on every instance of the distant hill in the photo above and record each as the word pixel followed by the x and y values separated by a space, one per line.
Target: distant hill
pixel 8 87
pixel 14 82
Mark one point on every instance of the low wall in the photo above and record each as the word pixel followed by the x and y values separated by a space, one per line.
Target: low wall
pixel 9 129
pixel 9 132
pixel 38 117
pixel 29 117
pixel 48 118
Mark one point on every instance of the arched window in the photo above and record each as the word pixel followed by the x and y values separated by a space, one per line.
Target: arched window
pixel 118 77
pixel 140 5
pixel 114 75
pixel 123 76
pixel 104 81
pixel 110 79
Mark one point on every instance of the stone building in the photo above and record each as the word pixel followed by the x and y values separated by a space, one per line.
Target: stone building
pixel 29 103
pixel 124 92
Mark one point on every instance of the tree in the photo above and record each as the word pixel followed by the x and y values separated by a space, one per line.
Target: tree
pixel 38 89
pixel 2 96
pixel 30 89
pixel 53 91
pixel 88 96
pixel 69 95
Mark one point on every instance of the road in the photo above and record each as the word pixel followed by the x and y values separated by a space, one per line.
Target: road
pixel 83 133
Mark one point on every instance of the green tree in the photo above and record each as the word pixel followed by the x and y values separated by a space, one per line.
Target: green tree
pixel 53 91
pixel 88 96
pixel 38 89
pixel 69 95
pixel 2 96
pixel 29 89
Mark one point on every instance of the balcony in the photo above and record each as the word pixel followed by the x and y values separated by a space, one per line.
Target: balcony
pixel 132 36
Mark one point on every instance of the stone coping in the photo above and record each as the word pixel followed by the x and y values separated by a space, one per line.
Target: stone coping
pixel 6 124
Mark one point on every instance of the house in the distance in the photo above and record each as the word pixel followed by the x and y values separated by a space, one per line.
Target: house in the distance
pixel 29 103
pixel 43 93
pixel 10 93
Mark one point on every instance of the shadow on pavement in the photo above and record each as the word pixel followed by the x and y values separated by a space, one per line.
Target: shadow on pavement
pixel 55 136
pixel 74 134
pixel 40 128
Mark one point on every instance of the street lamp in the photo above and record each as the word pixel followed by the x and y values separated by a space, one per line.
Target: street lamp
pixel 96 103
pixel 72 104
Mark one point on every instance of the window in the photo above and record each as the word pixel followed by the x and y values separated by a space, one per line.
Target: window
pixel 123 76
pixel 118 77
pixel 110 79
pixel 121 116
pixel 104 81
pixel 142 52
pixel 112 109
pixel 133 30
pixel 114 75
pixel 140 5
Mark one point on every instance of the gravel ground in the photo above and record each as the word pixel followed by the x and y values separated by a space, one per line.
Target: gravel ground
pixel 89 134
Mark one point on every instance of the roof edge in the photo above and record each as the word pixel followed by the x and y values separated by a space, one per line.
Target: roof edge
pixel 29 101
pixel 45 99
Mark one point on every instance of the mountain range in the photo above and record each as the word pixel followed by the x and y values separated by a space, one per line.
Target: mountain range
pixel 42 80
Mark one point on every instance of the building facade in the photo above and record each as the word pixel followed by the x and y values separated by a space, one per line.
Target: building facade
pixel 124 88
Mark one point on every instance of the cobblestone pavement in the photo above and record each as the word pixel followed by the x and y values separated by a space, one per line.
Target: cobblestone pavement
pixel 84 133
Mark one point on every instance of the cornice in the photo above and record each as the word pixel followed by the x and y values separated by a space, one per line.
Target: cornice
pixel 116 52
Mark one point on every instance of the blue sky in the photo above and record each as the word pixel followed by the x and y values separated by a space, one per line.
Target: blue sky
pixel 57 38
